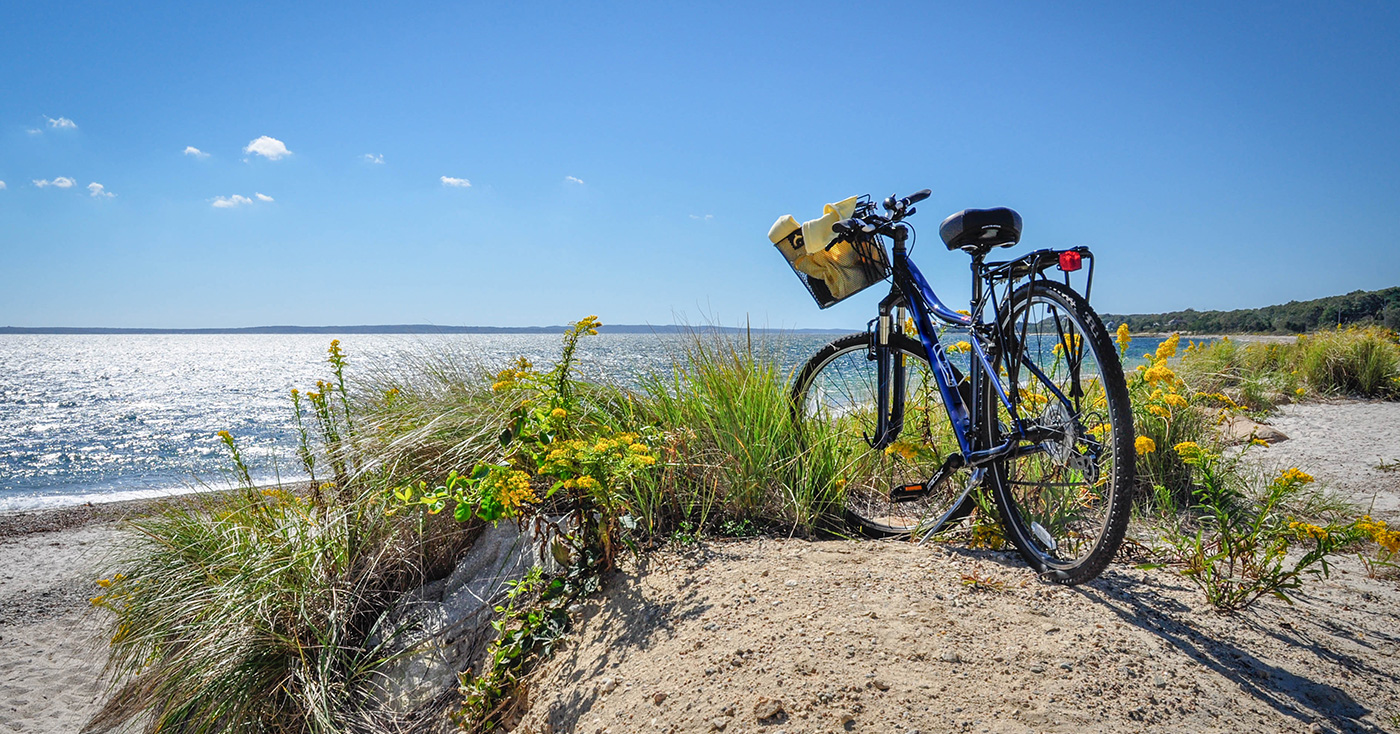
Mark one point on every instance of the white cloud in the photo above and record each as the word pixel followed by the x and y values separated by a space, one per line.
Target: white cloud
pixel 269 148
pixel 458 182
pixel 196 152
pixel 704 218
pixel 2 185
pixel 62 182
pixel 34 131
pixel 99 191
pixel 376 158
pixel 262 196
pixel 230 202
pixel 62 123
pixel 571 179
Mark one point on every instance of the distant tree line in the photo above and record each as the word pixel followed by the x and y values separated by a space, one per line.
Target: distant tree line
pixel 1380 307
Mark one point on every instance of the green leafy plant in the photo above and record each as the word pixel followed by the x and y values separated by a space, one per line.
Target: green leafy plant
pixel 1239 550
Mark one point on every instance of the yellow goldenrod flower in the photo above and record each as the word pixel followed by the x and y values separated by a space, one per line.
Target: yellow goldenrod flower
pixel 1167 349
pixel 1144 445
pixel 558 413
pixel 1160 372
pixel 961 347
pixel 1309 530
pixel 1124 337
pixel 1176 400
pixel 1159 411
pixel 1294 475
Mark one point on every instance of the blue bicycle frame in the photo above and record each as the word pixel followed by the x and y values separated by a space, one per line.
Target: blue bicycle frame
pixel 912 290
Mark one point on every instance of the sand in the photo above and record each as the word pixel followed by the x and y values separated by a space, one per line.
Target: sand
pixel 865 636
pixel 49 657
pixel 1350 446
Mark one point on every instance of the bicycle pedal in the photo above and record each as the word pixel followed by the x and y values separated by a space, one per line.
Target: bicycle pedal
pixel 908 493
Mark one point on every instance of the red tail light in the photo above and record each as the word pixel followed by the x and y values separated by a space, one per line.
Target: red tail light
pixel 1070 261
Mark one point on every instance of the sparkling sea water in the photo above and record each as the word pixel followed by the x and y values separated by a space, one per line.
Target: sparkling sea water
pixel 89 418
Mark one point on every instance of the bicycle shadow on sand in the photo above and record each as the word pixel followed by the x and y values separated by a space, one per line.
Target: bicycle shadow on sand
pixel 1145 605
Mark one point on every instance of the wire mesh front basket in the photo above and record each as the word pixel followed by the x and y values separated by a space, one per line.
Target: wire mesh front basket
pixel 838 272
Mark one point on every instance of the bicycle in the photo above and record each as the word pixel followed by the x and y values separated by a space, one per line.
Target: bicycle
pixel 1033 407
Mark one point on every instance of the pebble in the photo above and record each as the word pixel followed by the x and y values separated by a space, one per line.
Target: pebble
pixel 718 724
pixel 608 685
pixel 767 708
pixel 951 657
pixel 1037 668
pixel 879 684
pixel 658 698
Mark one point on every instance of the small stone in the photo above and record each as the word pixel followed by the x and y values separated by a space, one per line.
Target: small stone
pixel 658 698
pixel 847 719
pixel 1037 668
pixel 873 615
pixel 1159 682
pixel 790 583
pixel 1066 666
pixel 1314 728
pixel 608 685
pixel 879 685
pixel 951 657
pixel 728 710
pixel 767 708
pixel 718 724
pixel 710 671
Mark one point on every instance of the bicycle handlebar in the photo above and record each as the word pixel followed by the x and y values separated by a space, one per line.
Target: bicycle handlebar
pixel 875 223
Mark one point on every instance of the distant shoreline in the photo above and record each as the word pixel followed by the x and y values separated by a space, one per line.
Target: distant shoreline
pixel 413 329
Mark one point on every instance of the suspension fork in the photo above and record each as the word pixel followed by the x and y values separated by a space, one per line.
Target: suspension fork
pixel 890 369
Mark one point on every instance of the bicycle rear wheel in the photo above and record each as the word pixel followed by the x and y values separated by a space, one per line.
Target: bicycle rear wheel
pixel 1065 502
pixel 834 406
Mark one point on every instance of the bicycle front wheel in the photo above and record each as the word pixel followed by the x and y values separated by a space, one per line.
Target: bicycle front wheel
pixel 834 405
pixel 1065 500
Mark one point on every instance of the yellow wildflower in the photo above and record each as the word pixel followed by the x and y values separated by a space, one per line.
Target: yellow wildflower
pixel 1159 411
pixel 558 413
pixel 962 347
pixel 587 482
pixel 1159 372
pixel 1167 349
pixel 1174 399
pixel 1308 530
pixel 1144 445
pixel 1124 337
pixel 1294 475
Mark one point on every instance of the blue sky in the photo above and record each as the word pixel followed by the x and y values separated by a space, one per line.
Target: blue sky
pixel 628 159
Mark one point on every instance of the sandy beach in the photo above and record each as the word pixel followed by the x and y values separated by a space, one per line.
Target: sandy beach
pixel 864 636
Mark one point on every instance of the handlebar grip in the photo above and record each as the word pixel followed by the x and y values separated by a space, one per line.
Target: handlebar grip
pixel 918 196
pixel 847 226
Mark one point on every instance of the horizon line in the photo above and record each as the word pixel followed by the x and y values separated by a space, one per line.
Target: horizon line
pixel 401 329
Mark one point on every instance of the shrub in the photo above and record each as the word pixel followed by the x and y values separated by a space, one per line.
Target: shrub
pixel 1364 362
pixel 1239 550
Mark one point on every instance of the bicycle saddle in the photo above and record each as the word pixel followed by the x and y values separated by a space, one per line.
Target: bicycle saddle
pixel 979 230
